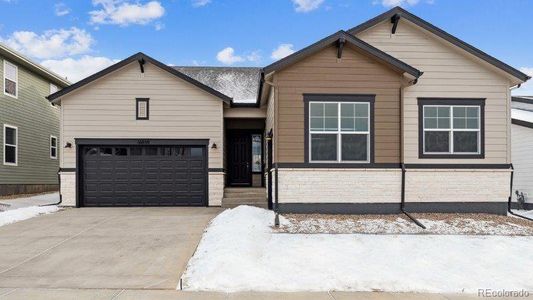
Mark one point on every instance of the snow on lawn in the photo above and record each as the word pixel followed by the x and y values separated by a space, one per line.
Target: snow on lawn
pixel 480 224
pixel 19 214
pixel 240 252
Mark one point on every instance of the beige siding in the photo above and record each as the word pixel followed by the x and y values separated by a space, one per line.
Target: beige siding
pixel 106 109
pixel 522 138
pixel 324 73
pixel 448 72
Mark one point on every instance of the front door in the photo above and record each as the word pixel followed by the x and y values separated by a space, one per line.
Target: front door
pixel 240 159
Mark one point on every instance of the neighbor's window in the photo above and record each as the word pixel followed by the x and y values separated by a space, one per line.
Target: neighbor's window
pixel 10 79
pixel 452 130
pixel 143 108
pixel 10 145
pixel 53 88
pixel 339 131
pixel 53 147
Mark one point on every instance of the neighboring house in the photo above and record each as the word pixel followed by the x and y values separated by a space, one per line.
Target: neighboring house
pixel 29 125
pixel 392 110
pixel 522 149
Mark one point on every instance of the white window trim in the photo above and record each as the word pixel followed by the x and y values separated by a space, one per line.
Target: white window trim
pixel 11 145
pixel 339 133
pixel 451 130
pixel 16 80
pixel 52 147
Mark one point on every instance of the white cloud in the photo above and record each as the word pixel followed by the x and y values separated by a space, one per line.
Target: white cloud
pixel 159 26
pixel 76 69
pixel 124 13
pixel 61 9
pixel 306 5
pixel 200 3
pixel 50 44
pixel 527 88
pixel 282 51
pixel 254 56
pixel 227 56
pixel 392 3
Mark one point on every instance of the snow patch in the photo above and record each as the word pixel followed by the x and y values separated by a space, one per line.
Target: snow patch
pixel 241 252
pixel 19 214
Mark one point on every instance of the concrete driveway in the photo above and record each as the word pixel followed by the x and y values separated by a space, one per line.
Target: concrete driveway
pixel 101 248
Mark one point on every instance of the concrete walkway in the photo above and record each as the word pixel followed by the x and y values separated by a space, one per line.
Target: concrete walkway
pixel 102 248
pixel 29 200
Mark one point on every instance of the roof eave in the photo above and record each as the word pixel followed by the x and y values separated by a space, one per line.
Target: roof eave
pixel 442 34
pixel 52 98
pixel 327 41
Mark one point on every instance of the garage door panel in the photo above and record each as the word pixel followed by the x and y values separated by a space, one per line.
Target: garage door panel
pixel 143 176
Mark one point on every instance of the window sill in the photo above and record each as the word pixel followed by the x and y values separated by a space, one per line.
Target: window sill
pixel 452 156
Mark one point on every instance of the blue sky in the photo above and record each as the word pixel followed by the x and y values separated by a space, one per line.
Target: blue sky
pixel 76 38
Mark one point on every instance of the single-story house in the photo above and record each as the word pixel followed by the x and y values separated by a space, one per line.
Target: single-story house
pixel 394 110
pixel 522 146
pixel 29 125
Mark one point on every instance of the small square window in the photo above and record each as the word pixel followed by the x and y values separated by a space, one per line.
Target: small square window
pixel 143 108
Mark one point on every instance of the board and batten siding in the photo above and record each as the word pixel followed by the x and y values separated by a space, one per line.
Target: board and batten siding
pixel 321 73
pixel 522 145
pixel 448 72
pixel 106 109
pixel 36 120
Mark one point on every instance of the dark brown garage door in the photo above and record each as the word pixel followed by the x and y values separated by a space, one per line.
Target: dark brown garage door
pixel 143 175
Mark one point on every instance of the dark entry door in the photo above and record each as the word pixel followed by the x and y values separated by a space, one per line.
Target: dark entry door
pixel 240 159
pixel 144 175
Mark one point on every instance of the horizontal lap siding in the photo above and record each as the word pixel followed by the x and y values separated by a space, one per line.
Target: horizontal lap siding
pixel 178 110
pixel 36 120
pixel 353 74
pixel 448 72
pixel 523 161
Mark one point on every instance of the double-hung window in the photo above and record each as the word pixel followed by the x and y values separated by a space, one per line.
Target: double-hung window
pixel 10 145
pixel 53 147
pixel 10 79
pixel 451 128
pixel 339 131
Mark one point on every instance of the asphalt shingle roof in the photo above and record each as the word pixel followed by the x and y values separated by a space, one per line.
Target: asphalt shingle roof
pixel 240 83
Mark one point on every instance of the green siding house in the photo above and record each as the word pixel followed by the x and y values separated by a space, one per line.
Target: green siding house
pixel 29 125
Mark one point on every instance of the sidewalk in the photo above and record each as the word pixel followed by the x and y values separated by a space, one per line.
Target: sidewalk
pixel 28 200
pixel 81 294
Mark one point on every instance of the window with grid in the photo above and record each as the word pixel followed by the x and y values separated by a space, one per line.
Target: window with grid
pixel 10 79
pixel 339 131
pixel 53 147
pixel 451 129
pixel 10 145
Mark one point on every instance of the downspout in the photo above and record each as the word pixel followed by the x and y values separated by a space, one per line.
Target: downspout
pixel 402 203
pixel 60 196
pixel 276 203
pixel 276 199
pixel 511 197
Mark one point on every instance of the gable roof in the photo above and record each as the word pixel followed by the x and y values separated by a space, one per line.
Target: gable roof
pixel 137 57
pixel 240 83
pixel 328 41
pixel 19 59
pixel 402 13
